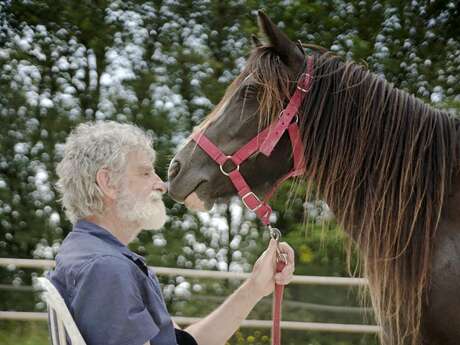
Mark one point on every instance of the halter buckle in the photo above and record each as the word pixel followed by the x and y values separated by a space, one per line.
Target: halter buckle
pixel 221 166
pixel 304 76
pixel 243 198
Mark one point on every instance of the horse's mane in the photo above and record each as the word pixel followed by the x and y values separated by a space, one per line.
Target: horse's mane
pixel 383 161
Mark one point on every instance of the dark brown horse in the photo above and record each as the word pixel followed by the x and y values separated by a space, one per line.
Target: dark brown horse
pixel 386 163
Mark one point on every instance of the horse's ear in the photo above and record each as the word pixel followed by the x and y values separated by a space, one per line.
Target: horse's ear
pixel 255 41
pixel 285 48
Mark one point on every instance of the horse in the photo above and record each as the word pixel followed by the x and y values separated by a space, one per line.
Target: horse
pixel 386 164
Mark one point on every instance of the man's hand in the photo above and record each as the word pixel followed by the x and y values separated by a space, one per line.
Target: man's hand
pixel 264 275
pixel 218 327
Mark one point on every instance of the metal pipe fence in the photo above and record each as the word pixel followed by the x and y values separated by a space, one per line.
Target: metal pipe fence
pixel 286 325
pixel 308 280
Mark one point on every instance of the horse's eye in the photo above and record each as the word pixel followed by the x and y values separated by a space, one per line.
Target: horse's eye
pixel 248 91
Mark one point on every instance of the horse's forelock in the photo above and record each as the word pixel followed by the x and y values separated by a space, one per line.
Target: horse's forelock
pixel 267 72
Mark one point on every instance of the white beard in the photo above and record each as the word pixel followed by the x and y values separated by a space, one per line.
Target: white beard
pixel 150 214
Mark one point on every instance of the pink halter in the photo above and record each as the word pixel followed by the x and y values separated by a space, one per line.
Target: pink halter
pixel 265 142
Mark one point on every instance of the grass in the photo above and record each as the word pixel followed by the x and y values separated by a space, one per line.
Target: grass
pixel 24 333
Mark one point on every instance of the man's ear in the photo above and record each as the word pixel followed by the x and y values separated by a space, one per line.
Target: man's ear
pixel 103 180
pixel 283 46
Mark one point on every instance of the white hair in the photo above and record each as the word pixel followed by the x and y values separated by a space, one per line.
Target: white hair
pixel 90 147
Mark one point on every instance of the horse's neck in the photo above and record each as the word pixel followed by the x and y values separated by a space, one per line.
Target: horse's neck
pixel 453 199
pixel 452 207
pixel 457 155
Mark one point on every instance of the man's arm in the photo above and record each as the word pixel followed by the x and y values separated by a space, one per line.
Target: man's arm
pixel 176 325
pixel 219 326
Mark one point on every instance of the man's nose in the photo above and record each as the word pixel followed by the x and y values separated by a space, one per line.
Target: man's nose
pixel 159 185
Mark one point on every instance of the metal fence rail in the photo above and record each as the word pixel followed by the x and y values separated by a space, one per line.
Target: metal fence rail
pixel 286 325
pixel 309 280
pixel 184 321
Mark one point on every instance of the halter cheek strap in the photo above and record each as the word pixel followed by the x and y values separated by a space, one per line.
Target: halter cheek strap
pixel 292 109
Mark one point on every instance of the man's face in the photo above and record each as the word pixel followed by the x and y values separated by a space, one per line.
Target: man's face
pixel 140 193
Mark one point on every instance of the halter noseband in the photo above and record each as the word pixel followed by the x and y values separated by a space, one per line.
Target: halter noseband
pixel 265 142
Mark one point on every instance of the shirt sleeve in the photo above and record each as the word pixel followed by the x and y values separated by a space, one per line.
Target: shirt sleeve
pixel 108 306
pixel 184 338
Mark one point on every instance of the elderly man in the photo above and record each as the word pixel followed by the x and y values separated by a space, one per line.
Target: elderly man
pixel 110 192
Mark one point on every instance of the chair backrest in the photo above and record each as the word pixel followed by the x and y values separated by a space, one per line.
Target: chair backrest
pixel 61 324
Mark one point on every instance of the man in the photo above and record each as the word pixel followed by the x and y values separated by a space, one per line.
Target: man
pixel 110 192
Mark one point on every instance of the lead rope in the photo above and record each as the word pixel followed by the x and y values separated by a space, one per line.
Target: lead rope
pixel 281 262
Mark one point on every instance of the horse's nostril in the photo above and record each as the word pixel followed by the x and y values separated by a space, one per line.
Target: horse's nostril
pixel 174 169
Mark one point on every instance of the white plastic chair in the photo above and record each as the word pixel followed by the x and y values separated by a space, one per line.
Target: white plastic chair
pixel 61 323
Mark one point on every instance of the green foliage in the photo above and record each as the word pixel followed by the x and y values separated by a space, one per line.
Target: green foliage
pixel 258 337
pixel 163 65
pixel 24 333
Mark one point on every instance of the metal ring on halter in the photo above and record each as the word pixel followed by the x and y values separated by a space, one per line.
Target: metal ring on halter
pixel 222 169
pixel 275 233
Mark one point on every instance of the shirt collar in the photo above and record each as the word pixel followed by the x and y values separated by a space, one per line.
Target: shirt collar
pixel 106 236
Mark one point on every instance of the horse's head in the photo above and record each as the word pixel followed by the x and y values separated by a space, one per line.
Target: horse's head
pixel 250 103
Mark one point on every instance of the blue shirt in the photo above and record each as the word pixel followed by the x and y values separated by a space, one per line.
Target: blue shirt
pixel 114 298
